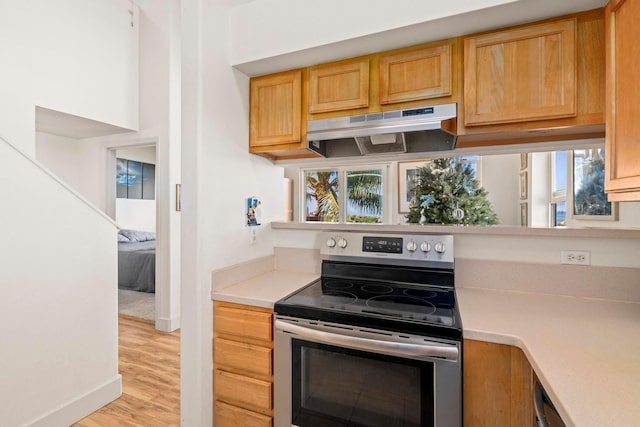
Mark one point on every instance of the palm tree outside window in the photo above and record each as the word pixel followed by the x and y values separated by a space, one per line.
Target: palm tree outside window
pixel 348 194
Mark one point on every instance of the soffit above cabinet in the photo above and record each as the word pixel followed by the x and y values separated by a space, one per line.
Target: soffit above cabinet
pixel 270 36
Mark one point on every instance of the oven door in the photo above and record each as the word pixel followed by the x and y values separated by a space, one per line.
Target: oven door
pixel 335 375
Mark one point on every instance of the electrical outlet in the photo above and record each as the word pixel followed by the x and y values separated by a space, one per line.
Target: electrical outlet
pixel 252 236
pixel 575 257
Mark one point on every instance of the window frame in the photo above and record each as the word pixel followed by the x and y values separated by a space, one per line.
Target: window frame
pixel 384 167
pixel 557 197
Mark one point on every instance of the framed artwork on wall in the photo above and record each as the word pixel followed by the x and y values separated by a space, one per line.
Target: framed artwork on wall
pixel 523 186
pixel 407 180
pixel 523 161
pixel 524 214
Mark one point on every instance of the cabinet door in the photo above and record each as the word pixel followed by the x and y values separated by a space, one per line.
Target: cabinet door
pixel 498 386
pixel 523 74
pixel 417 74
pixel 341 86
pixel 276 109
pixel 623 108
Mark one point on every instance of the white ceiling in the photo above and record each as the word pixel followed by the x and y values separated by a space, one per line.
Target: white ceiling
pixel 70 126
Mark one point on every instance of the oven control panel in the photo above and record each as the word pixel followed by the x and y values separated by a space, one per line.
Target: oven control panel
pixel 436 248
pixel 389 245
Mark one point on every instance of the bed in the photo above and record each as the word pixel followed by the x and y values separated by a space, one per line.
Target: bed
pixel 137 260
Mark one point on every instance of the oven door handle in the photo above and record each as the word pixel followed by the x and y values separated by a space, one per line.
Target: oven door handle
pixel 447 352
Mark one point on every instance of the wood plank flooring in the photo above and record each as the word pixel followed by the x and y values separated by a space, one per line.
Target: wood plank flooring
pixel 150 368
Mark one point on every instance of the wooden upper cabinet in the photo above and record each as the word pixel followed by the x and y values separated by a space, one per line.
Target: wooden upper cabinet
pixel 417 74
pixel 339 86
pixel 521 74
pixel 622 106
pixel 276 109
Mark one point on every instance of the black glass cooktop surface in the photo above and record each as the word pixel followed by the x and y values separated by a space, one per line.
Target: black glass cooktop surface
pixel 421 307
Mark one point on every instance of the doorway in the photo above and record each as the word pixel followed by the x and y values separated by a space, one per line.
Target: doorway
pixel 135 214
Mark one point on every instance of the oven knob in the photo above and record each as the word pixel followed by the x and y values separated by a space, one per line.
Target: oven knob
pixel 425 247
pixel 412 246
pixel 331 242
pixel 342 242
pixel 440 247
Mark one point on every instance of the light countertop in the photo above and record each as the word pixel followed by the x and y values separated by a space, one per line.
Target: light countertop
pixel 264 290
pixel 586 352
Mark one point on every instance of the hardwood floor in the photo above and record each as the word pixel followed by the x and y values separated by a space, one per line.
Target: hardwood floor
pixel 150 368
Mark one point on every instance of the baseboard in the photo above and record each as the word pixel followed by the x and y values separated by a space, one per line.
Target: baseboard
pixel 168 324
pixel 83 406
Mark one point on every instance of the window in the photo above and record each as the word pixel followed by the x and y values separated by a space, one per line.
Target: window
pixel 135 180
pixel 577 188
pixel 559 165
pixel 347 194
pixel 322 195
pixel 589 200
pixel 474 165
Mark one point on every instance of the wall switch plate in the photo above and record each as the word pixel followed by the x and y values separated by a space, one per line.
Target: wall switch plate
pixel 575 257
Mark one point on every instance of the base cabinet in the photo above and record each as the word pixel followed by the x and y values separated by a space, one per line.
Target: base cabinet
pixel 498 385
pixel 233 416
pixel 242 365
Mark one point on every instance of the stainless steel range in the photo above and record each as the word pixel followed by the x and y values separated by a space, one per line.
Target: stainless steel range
pixel 376 341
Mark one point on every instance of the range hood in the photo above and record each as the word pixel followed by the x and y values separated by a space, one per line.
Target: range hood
pixel 413 130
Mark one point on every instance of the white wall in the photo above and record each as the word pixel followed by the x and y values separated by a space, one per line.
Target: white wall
pixel 59 340
pixel 219 174
pixel 272 35
pixel 59 305
pixel 539 189
pixel 160 125
pixel 500 178
pixel 73 56
pixel 68 158
pixel 545 250
pixel 138 154
pixel 136 214
pixel 60 155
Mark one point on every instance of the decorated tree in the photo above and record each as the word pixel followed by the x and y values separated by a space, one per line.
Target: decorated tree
pixel 591 199
pixel 448 193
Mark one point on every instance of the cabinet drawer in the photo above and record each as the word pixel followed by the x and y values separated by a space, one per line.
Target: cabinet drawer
pixel 243 323
pixel 241 356
pixel 233 416
pixel 248 393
